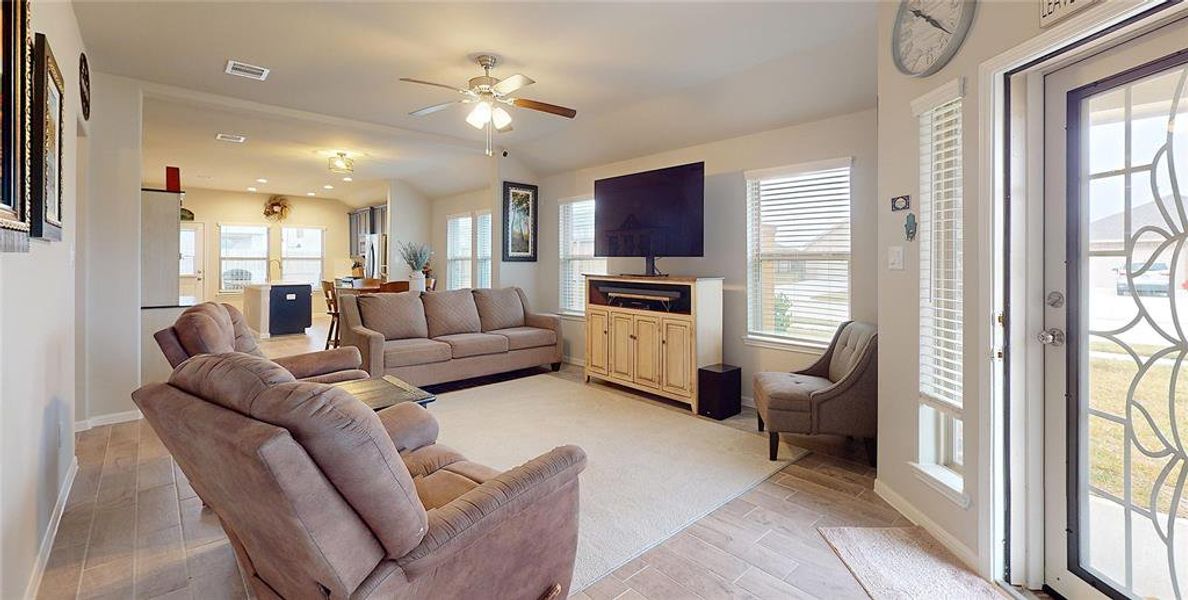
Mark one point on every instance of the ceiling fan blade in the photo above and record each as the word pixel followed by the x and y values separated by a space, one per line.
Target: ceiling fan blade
pixel 568 113
pixel 432 109
pixel 512 84
pixel 440 85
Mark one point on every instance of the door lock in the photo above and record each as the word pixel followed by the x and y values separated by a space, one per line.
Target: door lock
pixel 1054 299
pixel 1051 337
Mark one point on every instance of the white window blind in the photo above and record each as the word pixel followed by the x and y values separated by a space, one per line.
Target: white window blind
pixel 243 256
pixel 577 254
pixel 483 250
pixel 940 239
pixel 799 250
pixel 458 252
pixel 302 250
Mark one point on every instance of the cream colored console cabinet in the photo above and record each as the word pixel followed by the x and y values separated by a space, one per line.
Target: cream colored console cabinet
pixel 653 333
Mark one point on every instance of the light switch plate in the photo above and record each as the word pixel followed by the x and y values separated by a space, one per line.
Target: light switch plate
pixel 895 258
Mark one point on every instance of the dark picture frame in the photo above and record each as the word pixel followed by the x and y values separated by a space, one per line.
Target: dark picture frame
pixel 14 127
pixel 520 217
pixel 48 119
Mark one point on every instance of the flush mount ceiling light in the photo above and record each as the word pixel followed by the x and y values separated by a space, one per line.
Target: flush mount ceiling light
pixel 341 163
pixel 233 138
pixel 487 94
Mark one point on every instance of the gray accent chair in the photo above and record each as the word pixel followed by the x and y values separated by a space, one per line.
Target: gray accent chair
pixel 322 498
pixel 838 394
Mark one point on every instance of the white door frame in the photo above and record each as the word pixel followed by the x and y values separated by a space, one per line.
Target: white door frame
pixel 1087 31
pixel 200 256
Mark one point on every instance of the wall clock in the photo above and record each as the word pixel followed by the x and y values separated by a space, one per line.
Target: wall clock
pixel 928 33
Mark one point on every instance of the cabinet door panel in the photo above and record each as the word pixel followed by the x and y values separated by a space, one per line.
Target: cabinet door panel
pixel 597 341
pixel 647 351
pixel 622 346
pixel 677 356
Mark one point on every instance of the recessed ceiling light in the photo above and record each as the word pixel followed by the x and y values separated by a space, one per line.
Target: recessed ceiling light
pixel 242 69
pixel 234 138
pixel 348 178
pixel 251 189
pixel 261 180
pixel 327 187
pixel 310 194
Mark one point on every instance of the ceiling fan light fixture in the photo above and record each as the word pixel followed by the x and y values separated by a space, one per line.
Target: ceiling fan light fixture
pixel 341 163
pixel 480 116
pixel 500 118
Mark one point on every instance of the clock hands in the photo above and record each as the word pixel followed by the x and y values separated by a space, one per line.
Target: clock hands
pixel 931 21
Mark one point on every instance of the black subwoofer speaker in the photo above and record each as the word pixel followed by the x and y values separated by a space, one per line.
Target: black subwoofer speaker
pixel 719 391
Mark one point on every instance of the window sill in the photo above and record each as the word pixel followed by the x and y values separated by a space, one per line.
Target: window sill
pixel 770 343
pixel 949 483
pixel 572 316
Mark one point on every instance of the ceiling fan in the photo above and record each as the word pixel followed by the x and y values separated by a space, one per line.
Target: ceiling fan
pixel 487 94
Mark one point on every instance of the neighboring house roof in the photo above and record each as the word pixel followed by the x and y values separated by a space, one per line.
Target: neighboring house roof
pixel 1109 229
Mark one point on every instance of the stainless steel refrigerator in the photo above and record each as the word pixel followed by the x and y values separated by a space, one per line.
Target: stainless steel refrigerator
pixel 374 247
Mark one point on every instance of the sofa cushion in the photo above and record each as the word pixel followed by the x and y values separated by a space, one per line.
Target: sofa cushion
pixel 519 338
pixel 787 391
pixel 499 309
pixel 414 351
pixel 451 312
pixel 397 316
pixel 474 344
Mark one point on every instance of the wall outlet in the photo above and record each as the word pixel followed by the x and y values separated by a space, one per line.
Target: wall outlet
pixel 895 258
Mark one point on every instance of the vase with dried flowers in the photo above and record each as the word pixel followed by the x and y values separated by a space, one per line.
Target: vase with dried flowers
pixel 416 255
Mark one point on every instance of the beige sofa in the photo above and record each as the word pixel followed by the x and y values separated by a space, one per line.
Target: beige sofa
pixel 436 337
pixel 323 498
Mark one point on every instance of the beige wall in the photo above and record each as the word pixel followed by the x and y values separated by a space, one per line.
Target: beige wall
pixel 997 26
pixel 726 228
pixel 37 345
pixel 410 218
pixel 215 207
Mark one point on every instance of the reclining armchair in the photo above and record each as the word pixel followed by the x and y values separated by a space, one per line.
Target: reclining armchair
pixel 211 328
pixel 323 498
pixel 838 394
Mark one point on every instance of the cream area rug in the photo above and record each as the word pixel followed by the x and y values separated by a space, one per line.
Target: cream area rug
pixel 651 470
pixel 901 563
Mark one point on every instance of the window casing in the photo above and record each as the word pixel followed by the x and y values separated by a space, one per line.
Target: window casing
pixel 577 254
pixel 483 248
pixel 243 256
pixel 302 254
pixel 940 238
pixel 798 251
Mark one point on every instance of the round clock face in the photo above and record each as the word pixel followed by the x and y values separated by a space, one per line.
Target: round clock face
pixel 928 33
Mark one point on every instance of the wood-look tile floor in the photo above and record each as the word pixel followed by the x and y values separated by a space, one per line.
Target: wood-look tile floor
pixel 133 527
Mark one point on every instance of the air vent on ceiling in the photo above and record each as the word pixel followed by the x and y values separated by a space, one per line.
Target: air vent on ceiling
pixel 234 138
pixel 241 69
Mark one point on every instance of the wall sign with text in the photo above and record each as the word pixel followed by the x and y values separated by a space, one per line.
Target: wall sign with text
pixel 1054 11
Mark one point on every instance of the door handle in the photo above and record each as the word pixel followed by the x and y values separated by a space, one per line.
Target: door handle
pixel 1051 337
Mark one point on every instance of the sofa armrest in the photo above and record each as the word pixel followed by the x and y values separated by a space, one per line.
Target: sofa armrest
pixel 409 425
pixel 543 321
pixel 312 364
pixel 480 511
pixel 370 344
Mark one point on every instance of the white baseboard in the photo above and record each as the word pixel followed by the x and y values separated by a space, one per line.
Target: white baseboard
pixel 51 531
pixel 112 419
pixel 580 362
pixel 899 503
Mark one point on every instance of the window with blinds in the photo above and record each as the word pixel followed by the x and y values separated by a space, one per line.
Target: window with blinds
pixel 940 238
pixel 483 249
pixel 458 251
pixel 577 254
pixel 243 256
pixel 798 254
pixel 301 254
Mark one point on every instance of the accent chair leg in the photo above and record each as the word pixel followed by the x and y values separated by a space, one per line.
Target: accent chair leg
pixel 872 451
pixel 759 418
pixel 773 444
pixel 556 367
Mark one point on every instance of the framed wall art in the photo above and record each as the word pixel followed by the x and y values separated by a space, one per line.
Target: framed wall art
pixel 14 127
pixel 519 222
pixel 49 89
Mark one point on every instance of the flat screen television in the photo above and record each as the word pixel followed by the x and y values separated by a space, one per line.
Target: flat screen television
pixel 651 214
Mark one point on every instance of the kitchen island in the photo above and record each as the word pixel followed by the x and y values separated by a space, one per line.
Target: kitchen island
pixel 279 308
